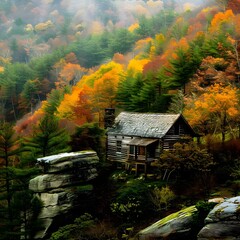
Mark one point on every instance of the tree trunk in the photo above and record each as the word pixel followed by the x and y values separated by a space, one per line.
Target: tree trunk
pixel 224 124
pixel 14 112
pixel 8 186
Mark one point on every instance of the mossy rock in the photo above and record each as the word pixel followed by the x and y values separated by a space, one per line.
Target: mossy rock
pixel 176 223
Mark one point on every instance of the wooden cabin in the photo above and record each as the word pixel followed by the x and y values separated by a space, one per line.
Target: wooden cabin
pixel 137 139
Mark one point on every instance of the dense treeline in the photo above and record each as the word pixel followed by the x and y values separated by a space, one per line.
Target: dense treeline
pixel 23 85
pixel 61 73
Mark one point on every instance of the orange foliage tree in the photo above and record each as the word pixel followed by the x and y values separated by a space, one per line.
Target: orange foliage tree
pixel 70 74
pixel 82 110
pixel 141 45
pixel 220 20
pixel 215 110
pixel 213 70
pixel 71 58
pixel 92 95
pixel 119 58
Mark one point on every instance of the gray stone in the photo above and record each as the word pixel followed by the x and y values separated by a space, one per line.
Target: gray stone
pixel 223 221
pixel 227 210
pixel 221 230
pixel 47 222
pixel 178 223
pixel 62 157
pixel 47 182
pixel 71 164
pixel 57 188
pixel 49 199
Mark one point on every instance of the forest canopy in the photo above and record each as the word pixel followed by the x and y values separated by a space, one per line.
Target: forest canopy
pixel 62 63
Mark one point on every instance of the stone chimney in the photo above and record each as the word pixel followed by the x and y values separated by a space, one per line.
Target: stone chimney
pixel 109 117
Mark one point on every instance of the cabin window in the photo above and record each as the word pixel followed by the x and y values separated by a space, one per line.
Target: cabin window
pixel 119 146
pixel 141 150
pixel 131 149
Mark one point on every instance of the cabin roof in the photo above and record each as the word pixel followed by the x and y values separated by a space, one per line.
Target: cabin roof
pixel 153 125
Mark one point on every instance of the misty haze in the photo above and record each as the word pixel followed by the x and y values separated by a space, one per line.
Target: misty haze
pixel 119 119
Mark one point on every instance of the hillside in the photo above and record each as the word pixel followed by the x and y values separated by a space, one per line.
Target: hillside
pixel 134 60
pixel 62 63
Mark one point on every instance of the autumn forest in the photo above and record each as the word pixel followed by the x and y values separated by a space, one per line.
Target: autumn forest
pixel 62 63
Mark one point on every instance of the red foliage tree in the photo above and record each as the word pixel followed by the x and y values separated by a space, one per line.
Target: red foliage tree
pixel 234 5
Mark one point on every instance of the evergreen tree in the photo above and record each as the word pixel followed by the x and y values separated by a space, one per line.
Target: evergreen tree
pixel 42 66
pixel 47 138
pixel 145 29
pixel 142 94
pixel 16 201
pixel 128 90
pixel 12 81
pixel 182 68
pixel 89 136
pixel 54 99
pixel 89 51
pixel 121 41
pixel 217 46
pixel 7 157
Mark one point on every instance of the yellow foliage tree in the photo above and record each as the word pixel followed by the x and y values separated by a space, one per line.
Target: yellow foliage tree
pixel 29 28
pixel 94 76
pixel 157 47
pixel 105 89
pixel 5 60
pixel 43 26
pixel 133 27
pixel 65 109
pixel 214 110
pixel 135 66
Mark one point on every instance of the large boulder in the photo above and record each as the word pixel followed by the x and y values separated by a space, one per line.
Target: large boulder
pixel 174 226
pixel 64 187
pixel 65 162
pixel 223 221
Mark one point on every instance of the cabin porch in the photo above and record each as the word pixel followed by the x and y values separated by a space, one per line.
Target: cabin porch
pixel 141 154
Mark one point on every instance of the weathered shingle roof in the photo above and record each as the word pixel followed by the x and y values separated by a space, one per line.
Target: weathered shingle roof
pixel 152 125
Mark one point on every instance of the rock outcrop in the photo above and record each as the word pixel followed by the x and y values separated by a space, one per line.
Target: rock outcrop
pixel 223 222
pixel 64 186
pixel 174 226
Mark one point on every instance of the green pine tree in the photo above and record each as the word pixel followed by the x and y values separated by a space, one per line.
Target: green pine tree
pixel 182 68
pixel 47 138
pixel 16 201
pixel 7 156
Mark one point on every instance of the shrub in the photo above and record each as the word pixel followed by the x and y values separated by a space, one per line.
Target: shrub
pixel 162 197
pixel 79 227
pixel 132 201
pixel 85 227
pixel 203 208
pixel 129 211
